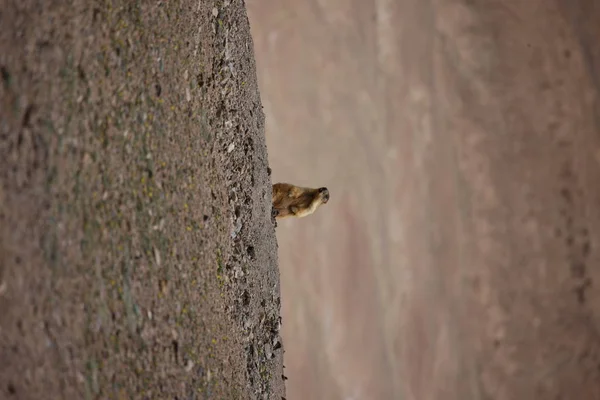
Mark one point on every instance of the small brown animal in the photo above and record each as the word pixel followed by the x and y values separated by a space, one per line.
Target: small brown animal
pixel 293 201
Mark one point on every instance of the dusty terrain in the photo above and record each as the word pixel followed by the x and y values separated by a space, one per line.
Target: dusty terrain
pixel 460 140
pixel 138 257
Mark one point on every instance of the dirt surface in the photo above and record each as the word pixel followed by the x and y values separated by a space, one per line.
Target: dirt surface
pixel 460 141
pixel 138 258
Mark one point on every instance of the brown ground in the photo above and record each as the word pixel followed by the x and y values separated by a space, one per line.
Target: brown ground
pixel 137 255
pixel 459 255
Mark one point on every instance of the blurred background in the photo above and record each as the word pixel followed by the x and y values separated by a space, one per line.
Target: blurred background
pixel 459 140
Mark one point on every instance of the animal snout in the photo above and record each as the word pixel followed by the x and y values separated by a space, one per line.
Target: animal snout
pixel 324 194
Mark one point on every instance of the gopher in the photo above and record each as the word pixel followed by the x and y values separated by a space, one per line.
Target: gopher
pixel 293 201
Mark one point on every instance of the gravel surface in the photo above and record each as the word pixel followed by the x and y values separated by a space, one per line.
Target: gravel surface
pixel 138 256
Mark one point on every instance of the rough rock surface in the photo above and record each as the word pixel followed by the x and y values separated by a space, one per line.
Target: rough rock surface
pixel 137 253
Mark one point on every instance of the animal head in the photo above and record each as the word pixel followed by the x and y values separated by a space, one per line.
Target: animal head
pixel 323 195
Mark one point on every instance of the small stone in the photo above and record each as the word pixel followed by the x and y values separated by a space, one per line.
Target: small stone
pixel 189 366
pixel 238 273
pixel 236 230
pixel 215 12
pixel 269 352
pixel 157 256
pixel 231 147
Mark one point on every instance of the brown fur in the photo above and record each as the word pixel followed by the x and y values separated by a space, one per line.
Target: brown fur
pixel 293 201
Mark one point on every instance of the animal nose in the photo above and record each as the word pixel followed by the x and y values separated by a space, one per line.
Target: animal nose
pixel 321 190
